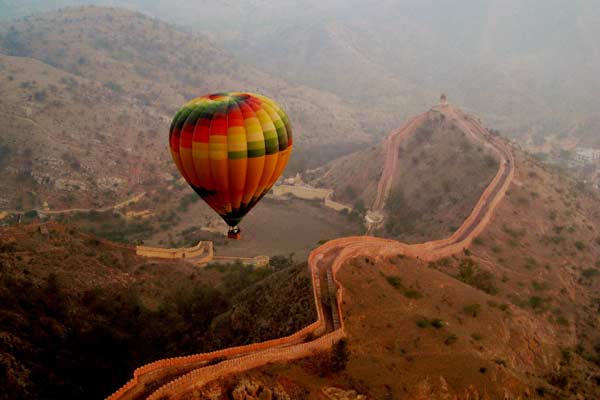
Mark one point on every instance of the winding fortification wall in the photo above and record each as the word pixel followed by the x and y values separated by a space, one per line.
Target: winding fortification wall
pixel 238 359
pixel 201 249
pixel 158 370
pixel 200 254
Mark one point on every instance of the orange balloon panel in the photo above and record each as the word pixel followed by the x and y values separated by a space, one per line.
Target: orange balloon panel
pixel 231 148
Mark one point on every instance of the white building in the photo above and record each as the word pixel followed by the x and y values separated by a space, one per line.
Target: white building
pixel 587 155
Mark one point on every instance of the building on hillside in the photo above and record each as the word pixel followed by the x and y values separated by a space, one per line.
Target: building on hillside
pixel 443 100
pixel 587 155
pixel 296 181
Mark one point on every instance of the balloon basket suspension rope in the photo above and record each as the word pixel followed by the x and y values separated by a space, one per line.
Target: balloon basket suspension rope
pixel 234 233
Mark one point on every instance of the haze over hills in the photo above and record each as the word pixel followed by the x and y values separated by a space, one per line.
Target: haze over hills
pixel 525 67
pixel 529 68
pixel 111 79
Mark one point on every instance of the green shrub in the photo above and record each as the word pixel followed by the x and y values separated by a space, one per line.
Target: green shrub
pixel 472 309
pixel 530 263
pixel 278 262
pixel 450 339
pixel 557 239
pixel 590 272
pixel 395 281
pixel 31 214
pixel 437 323
pixel 513 233
pixel 339 356
pixel 413 294
pixel 540 391
pixel 444 262
pixel 423 323
pixel 476 336
pixel 579 245
pixel 472 275
pixel 536 303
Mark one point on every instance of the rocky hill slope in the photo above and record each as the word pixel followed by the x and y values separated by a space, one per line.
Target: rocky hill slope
pixel 79 312
pixel 439 174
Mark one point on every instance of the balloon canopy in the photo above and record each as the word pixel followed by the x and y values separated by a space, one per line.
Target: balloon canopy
pixel 231 148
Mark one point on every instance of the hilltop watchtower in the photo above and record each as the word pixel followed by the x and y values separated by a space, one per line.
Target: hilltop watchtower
pixel 443 100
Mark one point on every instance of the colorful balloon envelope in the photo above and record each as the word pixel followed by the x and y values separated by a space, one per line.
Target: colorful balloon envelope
pixel 231 148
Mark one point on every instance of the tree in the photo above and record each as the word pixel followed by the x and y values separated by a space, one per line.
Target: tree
pixel 339 356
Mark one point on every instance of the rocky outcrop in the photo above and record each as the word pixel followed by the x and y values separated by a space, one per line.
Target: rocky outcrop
pixel 334 393
pixel 253 390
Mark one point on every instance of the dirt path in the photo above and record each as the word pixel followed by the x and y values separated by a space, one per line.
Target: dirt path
pixel 331 257
pixel 117 206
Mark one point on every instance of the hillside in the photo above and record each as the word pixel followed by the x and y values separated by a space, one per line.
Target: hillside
pixel 80 313
pixel 514 315
pixel 527 68
pixel 93 84
pixel 439 174
pixel 586 131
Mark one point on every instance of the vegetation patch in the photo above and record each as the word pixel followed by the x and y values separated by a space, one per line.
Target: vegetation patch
pixel 472 275
pixel 80 333
pixel 472 309
pixel 426 322
pixel 590 273
pixel 450 339
pixel 538 303
pixel 396 282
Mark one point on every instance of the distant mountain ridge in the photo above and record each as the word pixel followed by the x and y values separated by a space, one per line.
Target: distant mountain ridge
pixel 527 67
pixel 93 78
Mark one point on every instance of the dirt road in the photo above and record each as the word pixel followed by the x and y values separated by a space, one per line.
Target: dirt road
pixel 117 206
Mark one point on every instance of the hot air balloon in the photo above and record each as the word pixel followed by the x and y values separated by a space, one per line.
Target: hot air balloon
pixel 231 148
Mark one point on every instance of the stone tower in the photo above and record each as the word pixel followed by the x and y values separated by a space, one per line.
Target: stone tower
pixel 443 100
